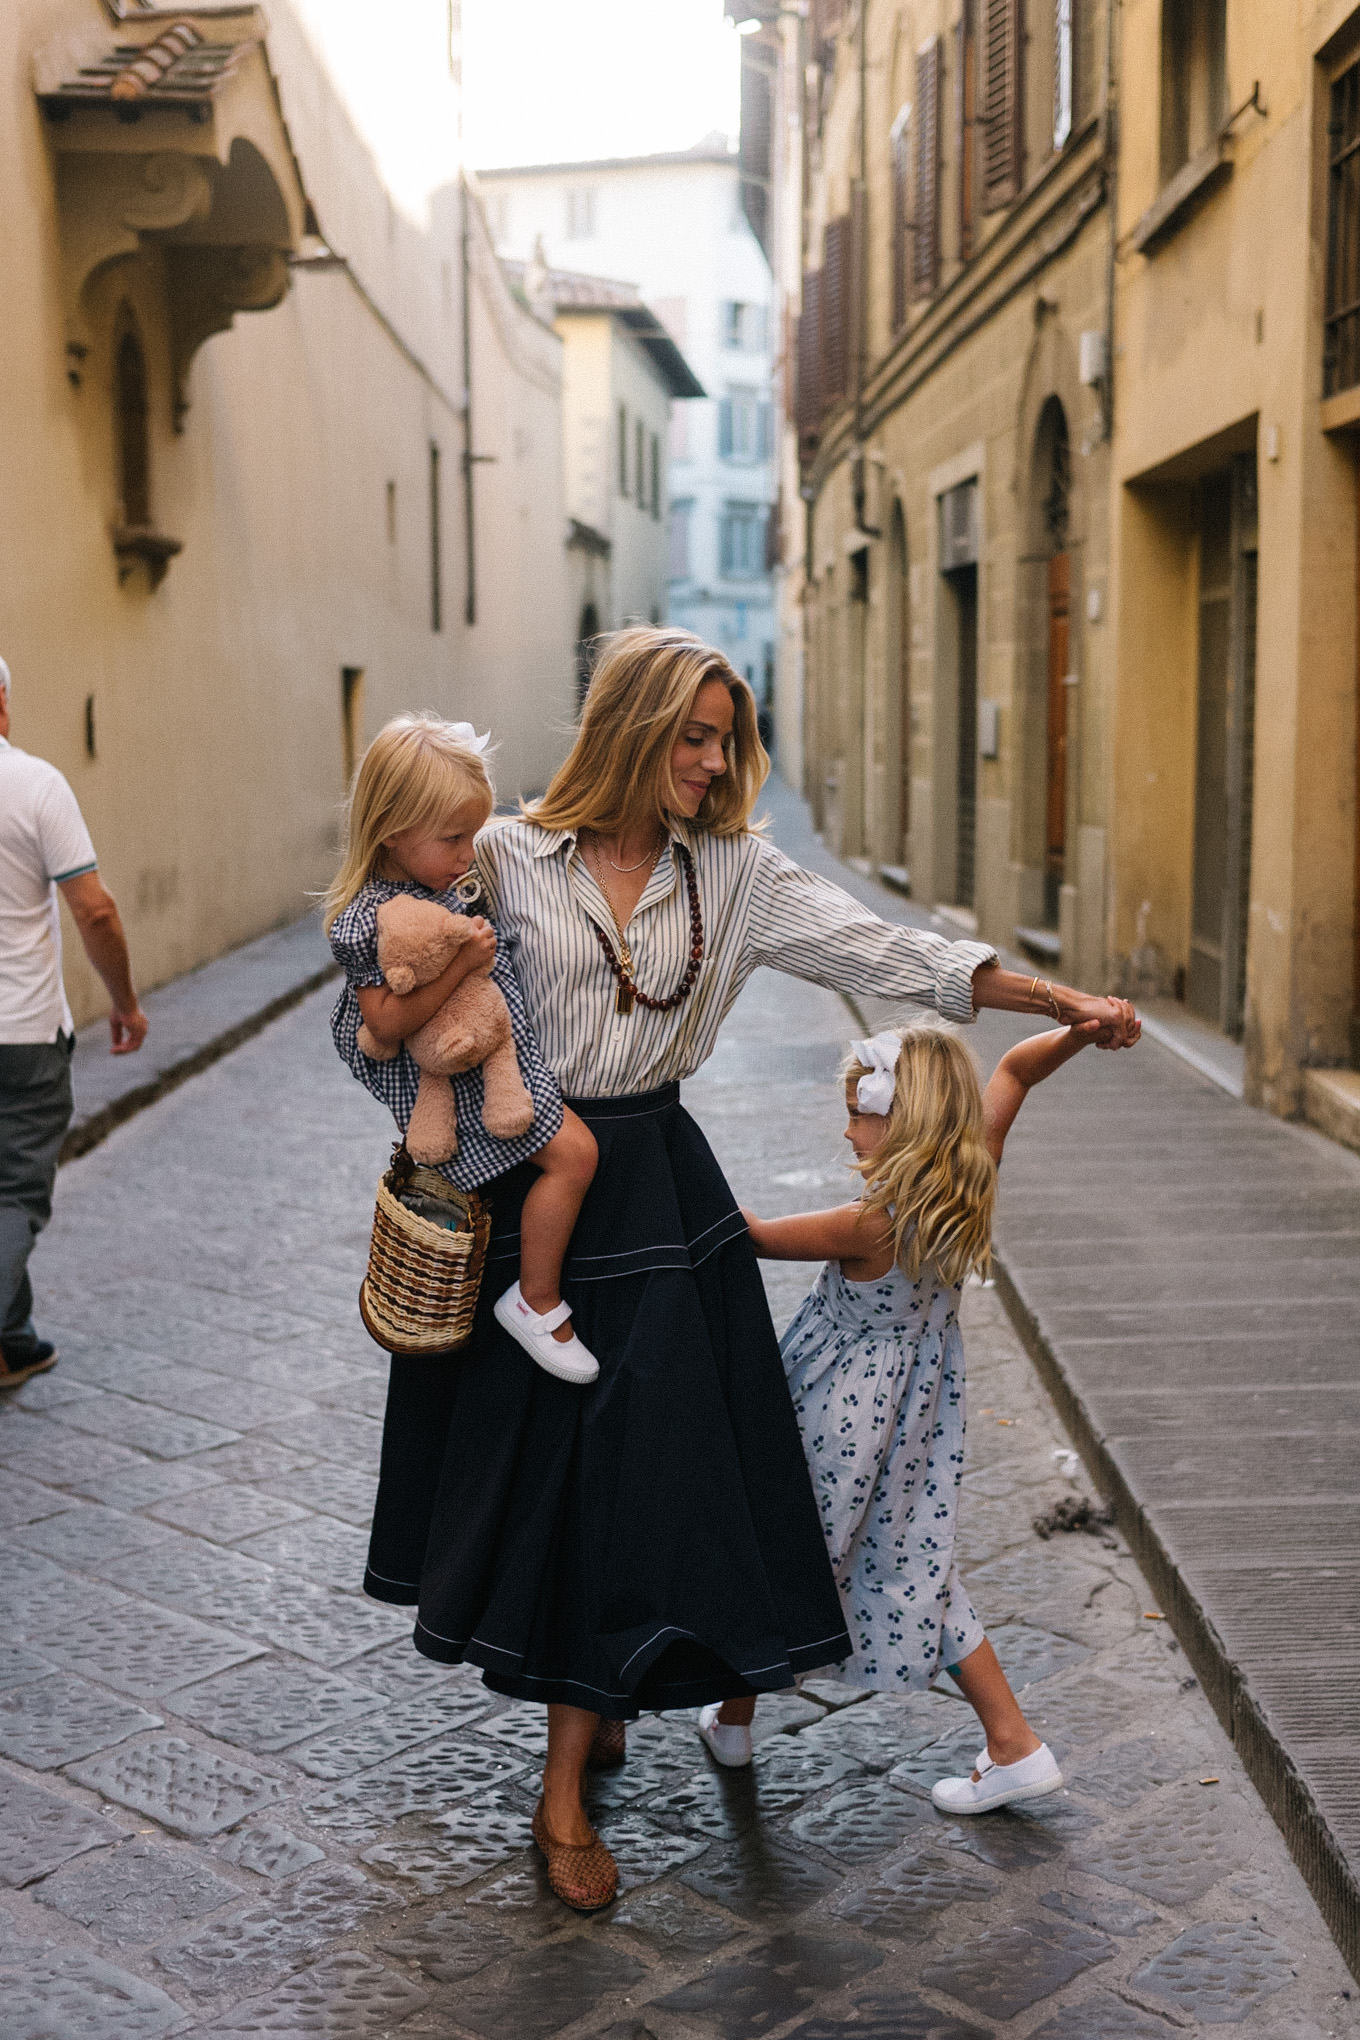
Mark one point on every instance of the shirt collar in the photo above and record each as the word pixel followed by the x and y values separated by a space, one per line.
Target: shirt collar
pixel 550 841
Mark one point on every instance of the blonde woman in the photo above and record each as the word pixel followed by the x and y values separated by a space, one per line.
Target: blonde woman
pixel 652 1543
pixel 874 1361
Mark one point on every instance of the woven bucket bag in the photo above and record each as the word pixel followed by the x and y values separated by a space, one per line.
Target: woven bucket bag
pixel 420 1293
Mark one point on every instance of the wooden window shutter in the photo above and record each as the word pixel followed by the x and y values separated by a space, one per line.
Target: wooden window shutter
pixel 965 123
pixel 835 309
pixel 925 262
pixel 809 398
pixel 1001 29
pixel 900 138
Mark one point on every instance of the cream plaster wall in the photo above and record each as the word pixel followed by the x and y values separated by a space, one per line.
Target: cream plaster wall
pixel 214 793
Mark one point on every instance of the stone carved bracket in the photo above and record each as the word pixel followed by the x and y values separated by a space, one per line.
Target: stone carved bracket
pixel 106 204
pixel 206 287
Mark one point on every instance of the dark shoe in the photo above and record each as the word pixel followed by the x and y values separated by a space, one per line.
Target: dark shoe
pixel 584 1876
pixel 21 1359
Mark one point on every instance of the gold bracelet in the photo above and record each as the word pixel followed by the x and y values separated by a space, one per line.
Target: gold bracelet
pixel 1033 987
pixel 1052 1001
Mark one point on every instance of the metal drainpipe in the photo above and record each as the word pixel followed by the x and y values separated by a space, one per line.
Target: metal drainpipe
pixel 861 246
pixel 469 505
pixel 1111 201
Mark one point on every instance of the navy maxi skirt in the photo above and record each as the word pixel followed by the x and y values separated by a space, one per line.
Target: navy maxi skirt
pixel 650 1541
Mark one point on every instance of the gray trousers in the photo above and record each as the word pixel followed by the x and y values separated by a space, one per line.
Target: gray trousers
pixel 35 1111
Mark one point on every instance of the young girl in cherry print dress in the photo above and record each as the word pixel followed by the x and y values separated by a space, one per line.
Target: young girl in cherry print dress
pixel 874 1359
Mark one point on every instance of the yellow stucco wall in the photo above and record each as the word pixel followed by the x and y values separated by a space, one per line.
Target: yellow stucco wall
pixel 1219 340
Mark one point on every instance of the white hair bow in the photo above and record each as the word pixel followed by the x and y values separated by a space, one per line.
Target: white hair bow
pixel 466 734
pixel 874 1091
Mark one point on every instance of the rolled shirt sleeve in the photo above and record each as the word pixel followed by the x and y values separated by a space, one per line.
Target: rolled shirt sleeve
pixel 803 924
pixel 63 839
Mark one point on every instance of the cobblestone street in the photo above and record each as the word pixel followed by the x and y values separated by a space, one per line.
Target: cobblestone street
pixel 236 1801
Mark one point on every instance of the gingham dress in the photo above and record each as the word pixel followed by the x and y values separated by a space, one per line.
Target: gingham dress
pixel 480 1156
pixel 876 1374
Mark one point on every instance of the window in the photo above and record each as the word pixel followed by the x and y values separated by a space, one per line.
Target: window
pixel 623 449
pixel 581 213
pixel 745 426
pixel 654 493
pixel 682 516
pixel 1062 72
pixel 133 427
pixel 351 720
pixel 925 259
pixel 1193 79
pixel 436 546
pixel 836 310
pixel 900 141
pixel 741 541
pixel 1341 346
pixel 640 462
pixel 744 326
pixel 1001 125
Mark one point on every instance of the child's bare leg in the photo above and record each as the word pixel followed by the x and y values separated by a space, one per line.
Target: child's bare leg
pixel 566 1168
pixel 1009 1735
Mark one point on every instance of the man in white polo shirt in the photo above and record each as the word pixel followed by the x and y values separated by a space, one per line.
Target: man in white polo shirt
pixel 43 844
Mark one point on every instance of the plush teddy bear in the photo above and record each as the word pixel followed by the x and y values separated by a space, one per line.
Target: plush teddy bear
pixel 417 939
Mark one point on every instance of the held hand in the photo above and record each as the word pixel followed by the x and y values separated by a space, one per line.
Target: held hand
pixel 127 1031
pixel 480 952
pixel 1116 1023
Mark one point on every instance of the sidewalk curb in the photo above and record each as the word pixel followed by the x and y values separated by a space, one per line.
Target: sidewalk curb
pixel 89 1132
pixel 1268 1764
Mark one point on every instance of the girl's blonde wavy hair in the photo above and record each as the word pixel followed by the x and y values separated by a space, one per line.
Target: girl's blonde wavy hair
pixel 642 693
pixel 931 1175
pixel 416 774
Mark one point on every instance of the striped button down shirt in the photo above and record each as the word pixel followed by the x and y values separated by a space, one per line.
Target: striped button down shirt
pixel 758 908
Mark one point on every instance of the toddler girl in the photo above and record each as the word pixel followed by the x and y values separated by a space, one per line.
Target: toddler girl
pixel 420 795
pixel 875 1365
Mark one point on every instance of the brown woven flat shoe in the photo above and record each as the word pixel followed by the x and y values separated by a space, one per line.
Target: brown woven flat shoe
pixel 584 1876
pixel 609 1748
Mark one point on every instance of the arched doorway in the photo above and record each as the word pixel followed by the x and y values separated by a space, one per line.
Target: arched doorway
pixel 896 834
pixel 1053 476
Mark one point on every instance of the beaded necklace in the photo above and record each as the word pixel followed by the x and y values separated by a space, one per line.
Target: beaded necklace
pixel 621 961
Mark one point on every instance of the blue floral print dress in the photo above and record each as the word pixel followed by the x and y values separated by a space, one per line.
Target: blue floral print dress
pixel 876 1374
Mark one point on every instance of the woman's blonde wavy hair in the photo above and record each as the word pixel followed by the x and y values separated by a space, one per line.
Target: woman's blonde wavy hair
pixel 617 773
pixel 416 774
pixel 931 1175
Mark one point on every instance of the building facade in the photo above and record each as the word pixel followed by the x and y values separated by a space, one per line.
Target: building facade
pixel 943 376
pixel 673 225
pixel 1234 532
pixel 249 514
pixel 621 372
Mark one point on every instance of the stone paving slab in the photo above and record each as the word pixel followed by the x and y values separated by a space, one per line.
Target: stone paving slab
pixel 194 1020
pixel 374 1875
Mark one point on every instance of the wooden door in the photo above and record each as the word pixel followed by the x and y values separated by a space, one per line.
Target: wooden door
pixel 1059 646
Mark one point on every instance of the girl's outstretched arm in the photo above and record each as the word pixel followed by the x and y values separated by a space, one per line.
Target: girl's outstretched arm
pixel 846 1234
pixel 1024 1066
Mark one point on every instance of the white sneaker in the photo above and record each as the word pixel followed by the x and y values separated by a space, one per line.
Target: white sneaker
pixel 568 1359
pixel 730 1744
pixel 1034 1777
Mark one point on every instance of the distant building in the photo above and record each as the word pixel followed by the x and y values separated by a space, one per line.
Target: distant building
pixel 674 226
pixel 239 526
pixel 621 370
